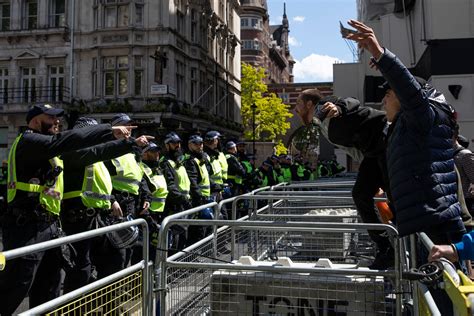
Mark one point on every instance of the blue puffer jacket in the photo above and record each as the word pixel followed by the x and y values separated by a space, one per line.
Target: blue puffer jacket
pixel 419 155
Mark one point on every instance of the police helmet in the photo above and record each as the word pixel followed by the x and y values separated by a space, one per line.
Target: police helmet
pixel 172 138
pixel 120 119
pixel 195 139
pixel 212 135
pixel 122 238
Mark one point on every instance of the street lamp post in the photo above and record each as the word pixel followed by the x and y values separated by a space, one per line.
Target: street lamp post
pixel 253 107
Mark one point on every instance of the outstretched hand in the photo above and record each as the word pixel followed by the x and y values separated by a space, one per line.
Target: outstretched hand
pixel 365 38
pixel 122 131
pixel 143 140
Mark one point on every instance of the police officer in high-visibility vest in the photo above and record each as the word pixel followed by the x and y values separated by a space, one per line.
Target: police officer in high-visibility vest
pixel 129 186
pixel 159 191
pixel 178 199
pixel 299 171
pixel 277 171
pixel 285 163
pixel 196 167
pixel 236 172
pixel 211 144
pixel 35 191
pixel 88 195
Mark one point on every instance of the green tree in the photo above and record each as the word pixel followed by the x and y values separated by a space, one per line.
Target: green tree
pixel 271 114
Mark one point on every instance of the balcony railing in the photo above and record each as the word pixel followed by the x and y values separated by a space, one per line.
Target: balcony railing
pixel 53 94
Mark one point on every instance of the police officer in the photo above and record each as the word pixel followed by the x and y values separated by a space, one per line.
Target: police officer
pixel 35 190
pixel 299 172
pixel 211 147
pixel 88 194
pixel 179 185
pixel 276 168
pixel 236 172
pixel 129 185
pixel 285 163
pixel 159 191
pixel 196 167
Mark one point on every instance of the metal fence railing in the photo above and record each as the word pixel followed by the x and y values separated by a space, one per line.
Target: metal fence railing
pixel 127 291
pixel 192 284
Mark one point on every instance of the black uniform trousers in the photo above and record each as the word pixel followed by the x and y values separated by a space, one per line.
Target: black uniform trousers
pixel 371 177
pixel 37 274
pixel 81 273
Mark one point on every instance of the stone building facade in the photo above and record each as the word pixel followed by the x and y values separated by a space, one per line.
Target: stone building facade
pixel 265 45
pixel 170 64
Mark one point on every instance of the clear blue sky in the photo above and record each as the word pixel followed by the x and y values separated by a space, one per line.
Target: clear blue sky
pixel 315 41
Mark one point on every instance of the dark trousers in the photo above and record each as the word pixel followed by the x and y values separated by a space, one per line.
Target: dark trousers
pixel 107 259
pixel 81 273
pixel 370 178
pixel 37 274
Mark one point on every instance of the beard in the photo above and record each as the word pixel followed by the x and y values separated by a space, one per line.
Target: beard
pixel 199 154
pixel 48 128
pixel 176 153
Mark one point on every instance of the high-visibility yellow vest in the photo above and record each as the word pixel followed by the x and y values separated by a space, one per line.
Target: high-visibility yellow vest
pixel 300 171
pixel 49 195
pixel 129 174
pixel 96 188
pixel 278 176
pixel 158 188
pixel 224 166
pixel 216 175
pixel 236 178
pixel 183 183
pixel 264 178
pixel 205 184
pixel 286 173
pixel 248 166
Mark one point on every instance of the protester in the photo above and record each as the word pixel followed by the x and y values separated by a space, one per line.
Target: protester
pixel 419 149
pixel 358 130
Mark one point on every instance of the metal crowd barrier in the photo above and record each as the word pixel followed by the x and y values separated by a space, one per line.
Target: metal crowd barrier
pixel 127 291
pixel 192 284
pixel 458 286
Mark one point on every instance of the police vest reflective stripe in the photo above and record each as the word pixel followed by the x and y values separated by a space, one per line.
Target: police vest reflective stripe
pixel 96 187
pixel 49 195
pixel 216 175
pixel 129 174
pixel 205 184
pixel 184 185
pixel 224 166
pixel 158 188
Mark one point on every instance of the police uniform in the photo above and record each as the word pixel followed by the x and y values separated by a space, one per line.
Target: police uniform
pixel 178 183
pixel 156 212
pixel 200 189
pixel 88 194
pixel 35 191
pixel 236 172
